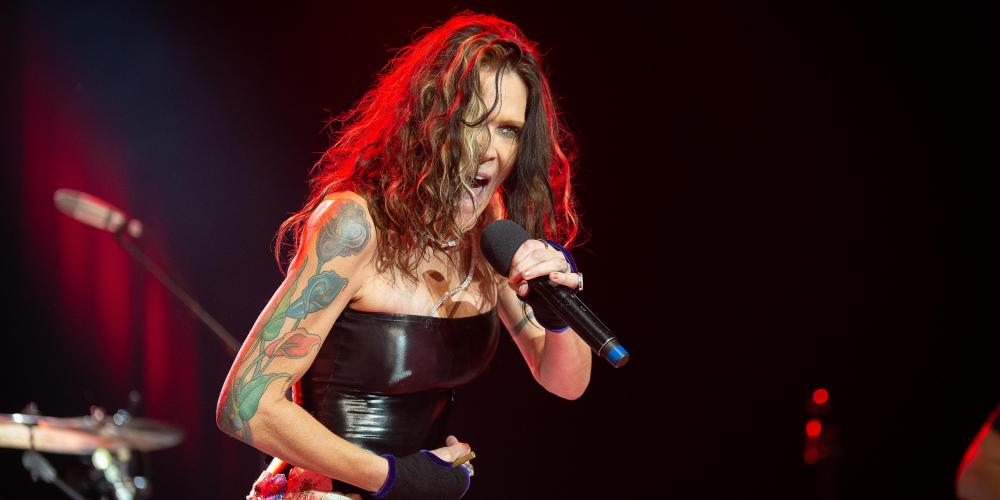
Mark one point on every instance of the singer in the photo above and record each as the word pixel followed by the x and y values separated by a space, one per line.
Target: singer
pixel 388 303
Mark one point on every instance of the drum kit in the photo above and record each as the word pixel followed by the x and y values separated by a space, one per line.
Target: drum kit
pixel 115 444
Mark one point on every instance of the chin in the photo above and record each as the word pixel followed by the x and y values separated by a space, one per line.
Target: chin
pixel 467 221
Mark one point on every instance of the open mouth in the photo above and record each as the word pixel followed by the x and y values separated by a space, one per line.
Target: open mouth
pixel 479 184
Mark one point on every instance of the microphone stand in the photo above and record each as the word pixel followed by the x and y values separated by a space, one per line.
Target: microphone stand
pixel 220 331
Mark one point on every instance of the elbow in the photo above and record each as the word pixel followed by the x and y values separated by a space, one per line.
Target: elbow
pixel 256 430
pixel 569 389
pixel 577 391
pixel 571 395
pixel 227 417
pixel 221 421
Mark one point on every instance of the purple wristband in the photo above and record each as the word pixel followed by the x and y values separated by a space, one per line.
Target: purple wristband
pixel 390 478
pixel 569 256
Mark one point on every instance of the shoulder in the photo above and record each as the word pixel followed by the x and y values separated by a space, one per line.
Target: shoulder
pixel 341 226
pixel 339 204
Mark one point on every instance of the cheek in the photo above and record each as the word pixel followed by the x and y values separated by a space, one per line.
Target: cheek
pixel 507 161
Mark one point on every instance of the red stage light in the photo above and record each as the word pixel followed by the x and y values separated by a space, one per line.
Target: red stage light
pixel 813 427
pixel 821 396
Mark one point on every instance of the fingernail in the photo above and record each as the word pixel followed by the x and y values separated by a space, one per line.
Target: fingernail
pixel 557 275
pixel 527 275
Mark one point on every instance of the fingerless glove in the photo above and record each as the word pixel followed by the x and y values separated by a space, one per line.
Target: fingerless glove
pixel 544 314
pixel 423 476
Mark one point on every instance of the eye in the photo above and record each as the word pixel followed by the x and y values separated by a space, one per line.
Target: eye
pixel 509 131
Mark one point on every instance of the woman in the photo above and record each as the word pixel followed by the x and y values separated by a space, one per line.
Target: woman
pixel 388 304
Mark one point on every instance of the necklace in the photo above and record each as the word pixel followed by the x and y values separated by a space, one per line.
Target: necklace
pixel 426 239
pixel 462 286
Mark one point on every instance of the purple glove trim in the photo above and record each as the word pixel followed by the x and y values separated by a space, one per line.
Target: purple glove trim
pixel 442 463
pixel 572 268
pixel 390 478
pixel 436 459
pixel 569 256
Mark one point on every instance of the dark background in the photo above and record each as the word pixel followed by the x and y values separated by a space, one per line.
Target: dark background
pixel 779 197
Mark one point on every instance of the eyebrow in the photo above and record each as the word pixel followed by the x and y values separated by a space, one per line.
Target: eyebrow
pixel 512 121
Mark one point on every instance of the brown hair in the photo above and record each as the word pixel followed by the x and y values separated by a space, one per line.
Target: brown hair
pixel 407 146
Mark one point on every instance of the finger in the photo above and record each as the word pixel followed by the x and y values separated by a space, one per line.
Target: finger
pixel 547 266
pixel 555 263
pixel 570 280
pixel 524 257
pixel 463 459
pixel 526 249
pixel 446 454
pixel 517 273
pixel 458 447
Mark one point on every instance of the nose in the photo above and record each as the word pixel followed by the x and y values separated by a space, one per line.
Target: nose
pixel 487 149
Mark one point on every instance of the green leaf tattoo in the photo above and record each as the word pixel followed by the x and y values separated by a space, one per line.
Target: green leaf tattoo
pixel 346 233
pixel 251 393
pixel 273 327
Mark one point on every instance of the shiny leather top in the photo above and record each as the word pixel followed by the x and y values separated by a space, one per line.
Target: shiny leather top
pixel 385 381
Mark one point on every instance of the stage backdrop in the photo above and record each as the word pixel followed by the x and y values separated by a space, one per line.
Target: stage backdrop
pixel 779 199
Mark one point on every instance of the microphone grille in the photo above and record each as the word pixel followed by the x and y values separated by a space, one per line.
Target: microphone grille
pixel 499 243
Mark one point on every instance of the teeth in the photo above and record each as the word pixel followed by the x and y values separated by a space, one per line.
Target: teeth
pixel 480 181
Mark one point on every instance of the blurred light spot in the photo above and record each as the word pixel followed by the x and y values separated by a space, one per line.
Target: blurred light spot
pixel 813 427
pixel 821 396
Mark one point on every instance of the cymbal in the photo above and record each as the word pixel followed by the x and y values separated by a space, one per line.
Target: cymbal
pixel 143 434
pixel 83 435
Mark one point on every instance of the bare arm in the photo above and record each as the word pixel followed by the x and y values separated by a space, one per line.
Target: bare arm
pixel 559 362
pixel 337 245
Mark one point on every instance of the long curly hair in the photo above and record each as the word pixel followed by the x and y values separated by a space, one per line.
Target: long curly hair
pixel 409 145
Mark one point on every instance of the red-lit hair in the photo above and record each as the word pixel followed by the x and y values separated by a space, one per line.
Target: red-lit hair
pixel 405 145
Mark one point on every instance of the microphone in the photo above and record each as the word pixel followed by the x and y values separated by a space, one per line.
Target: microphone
pixel 500 241
pixel 95 212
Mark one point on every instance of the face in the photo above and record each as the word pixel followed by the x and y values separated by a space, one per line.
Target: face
pixel 499 136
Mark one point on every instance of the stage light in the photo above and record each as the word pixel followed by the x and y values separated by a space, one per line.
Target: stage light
pixel 821 396
pixel 814 427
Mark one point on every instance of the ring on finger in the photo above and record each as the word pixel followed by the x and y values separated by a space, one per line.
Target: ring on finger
pixel 468 467
pixel 579 282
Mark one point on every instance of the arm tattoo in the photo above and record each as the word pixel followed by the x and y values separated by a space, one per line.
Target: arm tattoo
pixel 344 234
pixel 528 316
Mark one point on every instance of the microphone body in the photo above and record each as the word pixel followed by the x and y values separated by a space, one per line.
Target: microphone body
pixel 581 319
pixel 500 241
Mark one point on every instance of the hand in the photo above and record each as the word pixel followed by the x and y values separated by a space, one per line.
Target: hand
pixel 429 474
pixel 453 450
pixel 537 258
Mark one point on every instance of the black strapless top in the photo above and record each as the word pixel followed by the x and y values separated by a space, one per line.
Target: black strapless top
pixel 385 381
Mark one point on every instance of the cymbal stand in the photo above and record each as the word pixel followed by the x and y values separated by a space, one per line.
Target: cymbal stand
pixel 40 468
